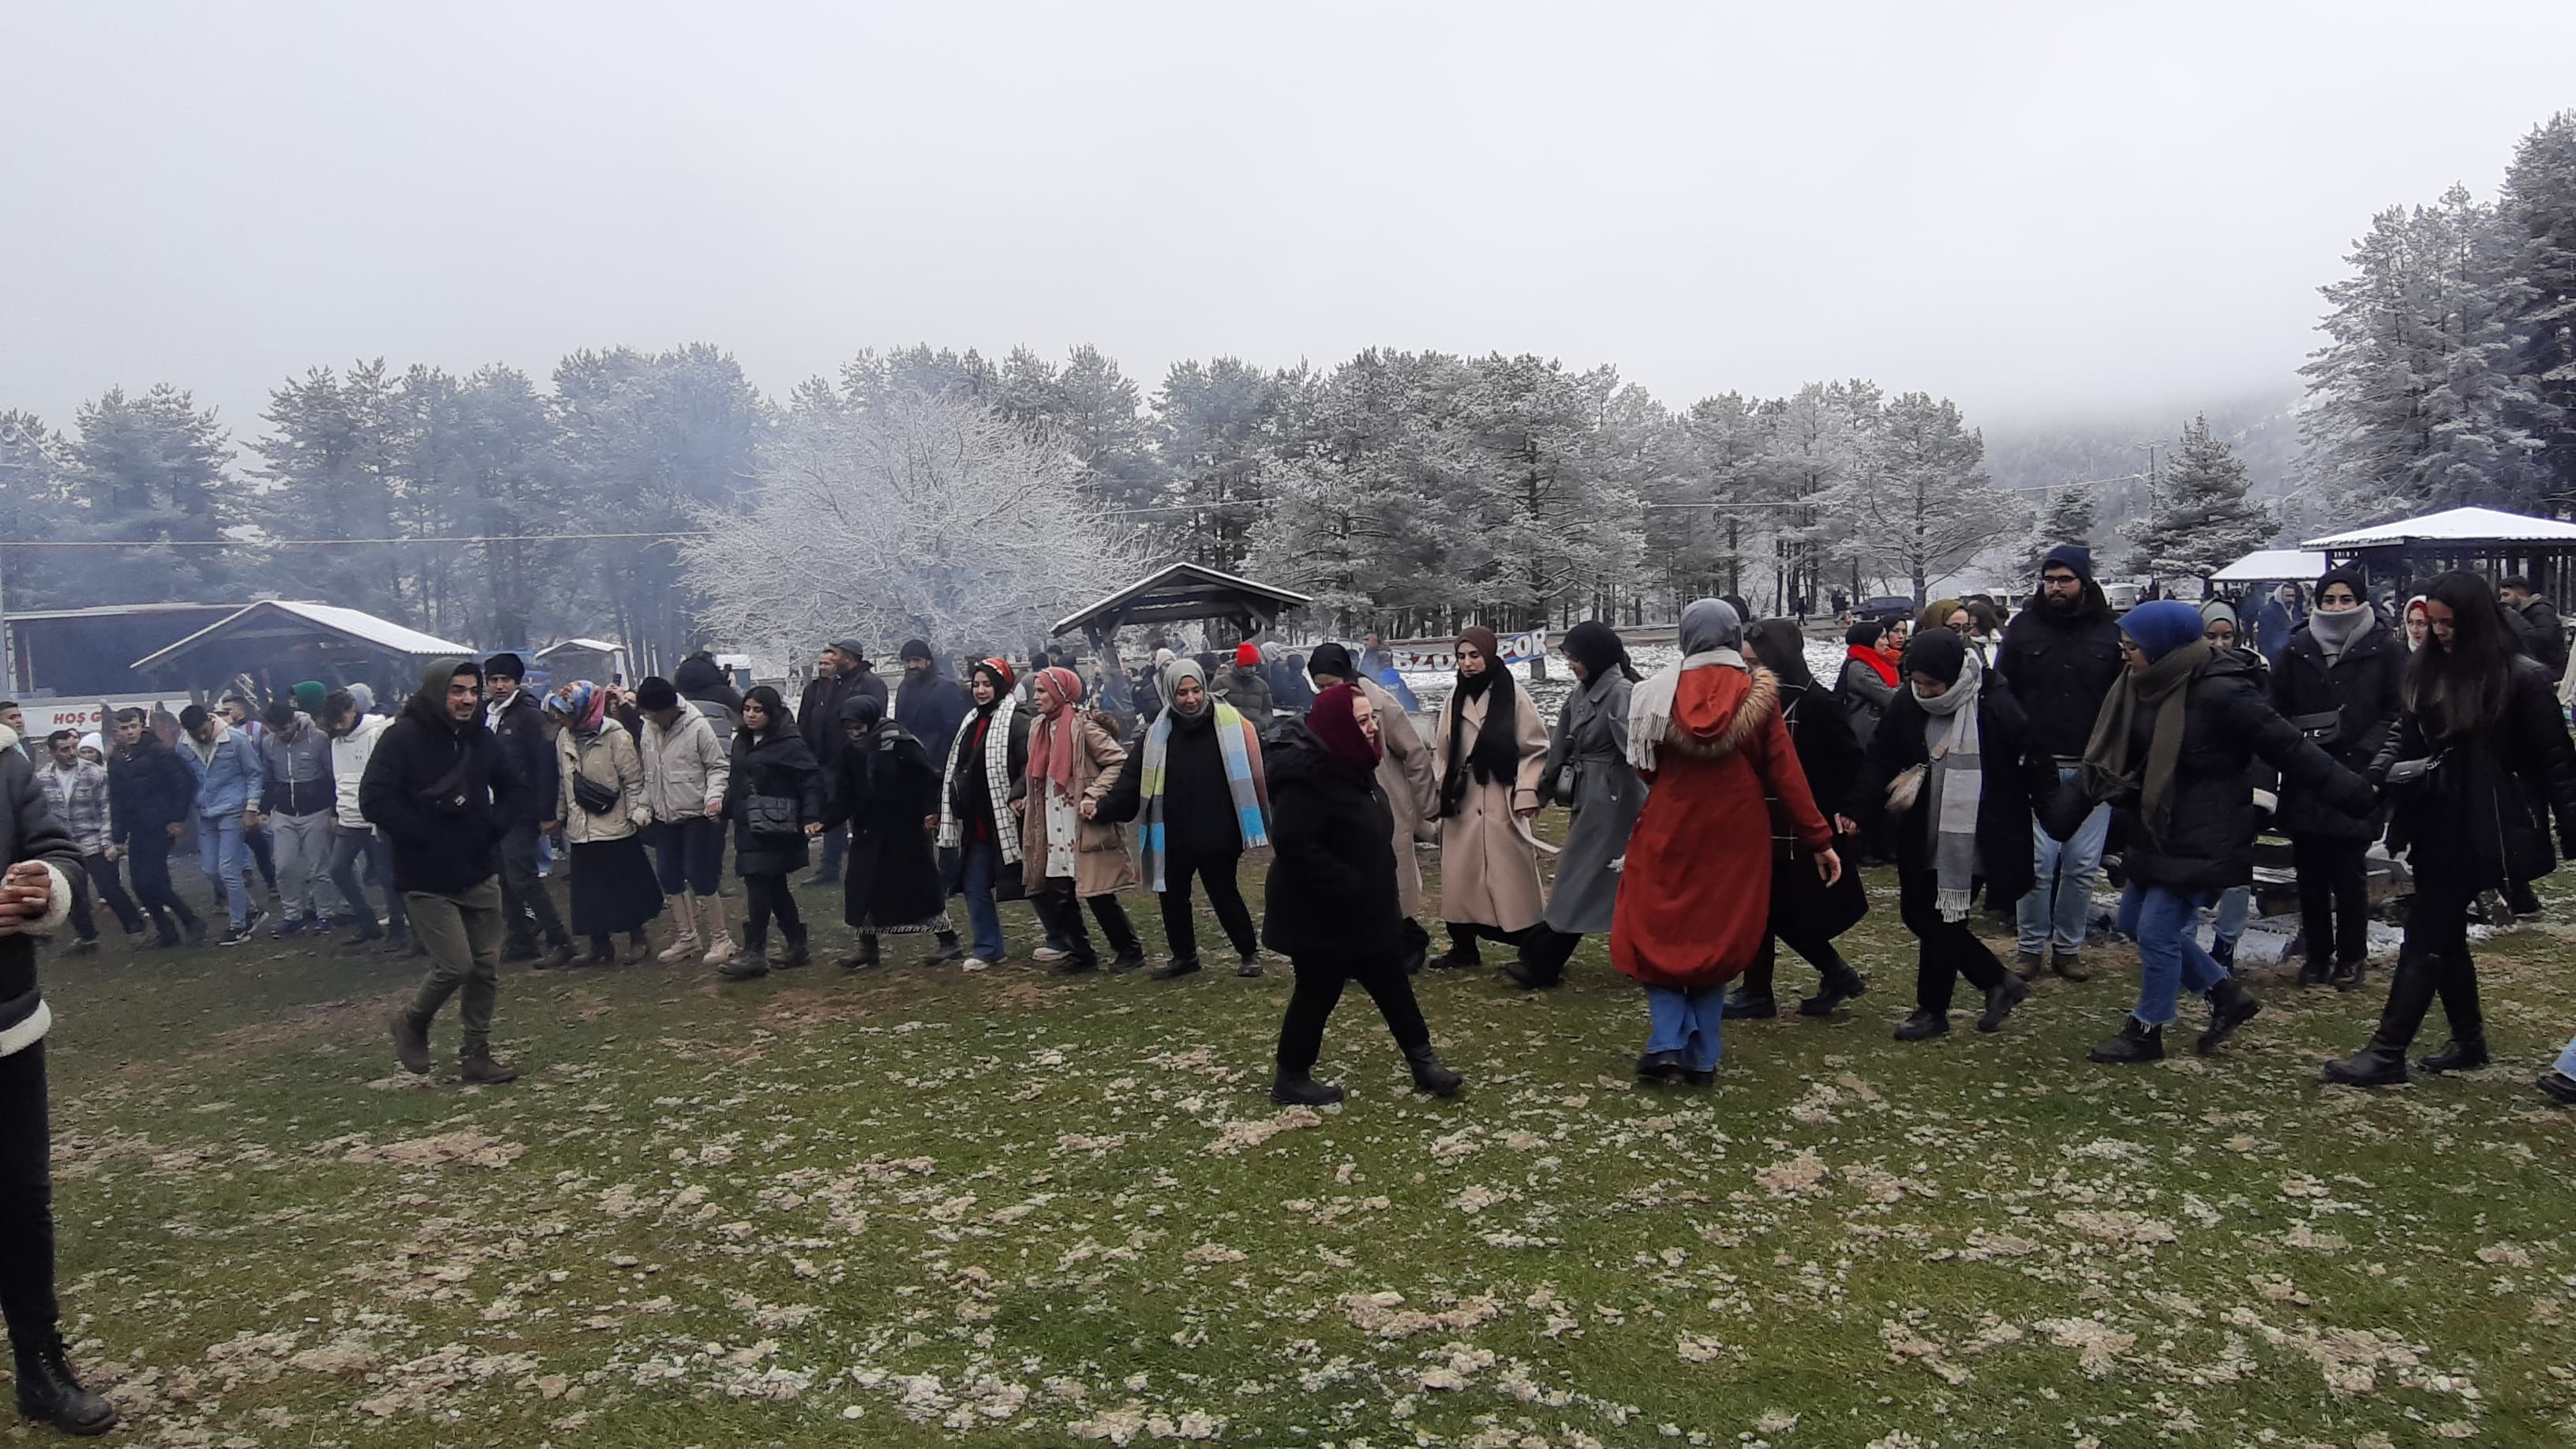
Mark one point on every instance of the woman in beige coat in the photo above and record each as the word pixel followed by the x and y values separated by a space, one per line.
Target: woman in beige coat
pixel 1068 857
pixel 600 809
pixel 1405 776
pixel 1488 750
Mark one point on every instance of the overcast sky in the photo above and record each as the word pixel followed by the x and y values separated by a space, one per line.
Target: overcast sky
pixel 2036 209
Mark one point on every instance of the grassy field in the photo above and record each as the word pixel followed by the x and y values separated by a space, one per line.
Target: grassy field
pixel 919 1206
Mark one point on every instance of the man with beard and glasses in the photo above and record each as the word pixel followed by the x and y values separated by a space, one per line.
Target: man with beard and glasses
pixel 2061 656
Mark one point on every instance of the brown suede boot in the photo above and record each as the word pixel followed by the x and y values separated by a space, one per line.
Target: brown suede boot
pixel 479 1068
pixel 411 1043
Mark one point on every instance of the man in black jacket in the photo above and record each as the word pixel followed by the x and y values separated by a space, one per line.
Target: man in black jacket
pixel 2538 618
pixel 518 724
pixel 2061 654
pixel 841 672
pixel 442 792
pixel 150 796
pixel 35 896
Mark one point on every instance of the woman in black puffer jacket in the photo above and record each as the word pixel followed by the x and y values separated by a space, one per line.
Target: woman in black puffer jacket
pixel 2339 683
pixel 2482 726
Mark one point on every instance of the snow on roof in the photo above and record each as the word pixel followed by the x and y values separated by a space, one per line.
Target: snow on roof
pixel 1189 587
pixel 356 624
pixel 595 646
pixel 2265 564
pixel 2456 525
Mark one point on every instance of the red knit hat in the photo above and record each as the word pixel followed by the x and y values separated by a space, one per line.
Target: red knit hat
pixel 1247 655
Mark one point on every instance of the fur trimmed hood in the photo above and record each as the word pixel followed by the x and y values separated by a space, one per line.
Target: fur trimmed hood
pixel 1716 712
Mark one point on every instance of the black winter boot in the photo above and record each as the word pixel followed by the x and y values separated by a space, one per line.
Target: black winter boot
pixel 2348 975
pixel 2136 1043
pixel 1429 1075
pixel 2313 972
pixel 1923 1025
pixel 2382 1063
pixel 1842 984
pixel 1302 1090
pixel 1659 1066
pixel 2230 1006
pixel 751 962
pixel 2461 1054
pixel 1744 1005
pixel 796 955
pixel 2005 995
pixel 2372 1066
pixel 50 1393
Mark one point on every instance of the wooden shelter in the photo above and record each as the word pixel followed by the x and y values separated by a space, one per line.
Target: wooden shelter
pixel 1181 593
pixel 2489 540
pixel 278 642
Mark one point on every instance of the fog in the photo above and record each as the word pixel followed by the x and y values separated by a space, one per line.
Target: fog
pixel 2032 208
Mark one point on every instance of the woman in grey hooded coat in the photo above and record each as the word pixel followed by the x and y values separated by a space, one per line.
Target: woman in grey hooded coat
pixel 1587 768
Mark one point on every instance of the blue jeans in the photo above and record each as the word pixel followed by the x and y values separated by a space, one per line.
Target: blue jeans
pixel 2059 906
pixel 2567 1060
pixel 2235 907
pixel 1686 1023
pixel 223 856
pixel 2165 923
pixel 981 860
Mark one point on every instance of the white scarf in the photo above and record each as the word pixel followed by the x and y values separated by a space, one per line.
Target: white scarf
pixel 1955 786
pixel 1650 704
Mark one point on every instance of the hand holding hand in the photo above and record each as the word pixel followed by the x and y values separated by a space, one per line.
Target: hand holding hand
pixel 1845 825
pixel 1090 808
pixel 26 894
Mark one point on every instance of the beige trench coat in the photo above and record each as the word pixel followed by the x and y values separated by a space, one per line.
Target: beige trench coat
pixel 1411 786
pixel 1102 863
pixel 1488 869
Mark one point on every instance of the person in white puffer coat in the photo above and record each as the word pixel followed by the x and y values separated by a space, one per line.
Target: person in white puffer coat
pixel 348 717
pixel 686 768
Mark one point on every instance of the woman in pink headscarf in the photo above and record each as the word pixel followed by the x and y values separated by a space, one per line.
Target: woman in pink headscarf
pixel 1067 856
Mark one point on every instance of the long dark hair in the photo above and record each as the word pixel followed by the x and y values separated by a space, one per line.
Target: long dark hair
pixel 2454 688
pixel 771 705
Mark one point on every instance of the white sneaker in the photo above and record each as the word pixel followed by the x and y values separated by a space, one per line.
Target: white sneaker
pixel 679 950
pixel 720 951
pixel 1046 953
pixel 975 963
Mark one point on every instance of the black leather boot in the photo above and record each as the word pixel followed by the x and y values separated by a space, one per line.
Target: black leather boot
pixel 1924 1025
pixel 1743 1005
pixel 49 1393
pixel 2382 1063
pixel 1429 1075
pixel 1842 984
pixel 1300 1089
pixel 2460 1054
pixel 2137 1043
pixel 2000 1000
pixel 2230 1006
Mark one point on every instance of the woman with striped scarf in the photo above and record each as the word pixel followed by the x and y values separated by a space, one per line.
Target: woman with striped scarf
pixel 1202 801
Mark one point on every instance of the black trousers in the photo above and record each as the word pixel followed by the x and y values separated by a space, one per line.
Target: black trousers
pixel 765 896
pixel 1463 936
pixel 523 893
pixel 1060 913
pixel 101 875
pixel 1217 873
pixel 1944 950
pixel 1545 950
pixel 2434 965
pixel 2334 896
pixel 1812 945
pixel 148 854
pixel 26 1200
pixel 1320 980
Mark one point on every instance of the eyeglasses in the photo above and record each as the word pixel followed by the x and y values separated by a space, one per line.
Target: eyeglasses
pixel 2057 580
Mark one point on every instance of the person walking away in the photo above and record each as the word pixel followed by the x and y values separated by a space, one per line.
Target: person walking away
pixel 1286 676
pixel 295 761
pixel 2342 683
pixel 1806 913
pixel 1707 736
pixel 1202 801
pixel 685 772
pixel 930 709
pixel 2479 762
pixel 886 794
pixel 601 813
pixel 1331 904
pixel 354 734
pixel 36 896
pixel 774 797
pixel 1068 856
pixel 1407 781
pixel 1955 769
pixel 439 787
pixel 226 768
pixel 2277 621
pixel 150 797
pixel 1245 688
pixel 517 723
pixel 2541 630
pixel 2172 753
pixel 702 682
pixel 77 792
pixel 1587 769
pixel 987 770
pixel 1488 750
pixel 841 671
pixel 2062 654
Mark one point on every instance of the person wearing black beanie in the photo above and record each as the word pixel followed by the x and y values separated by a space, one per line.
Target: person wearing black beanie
pixel 2062 652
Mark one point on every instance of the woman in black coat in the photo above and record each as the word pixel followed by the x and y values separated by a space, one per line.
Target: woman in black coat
pixel 775 801
pixel 886 791
pixel 2479 747
pixel 1805 912
pixel 1332 906
pixel 2340 683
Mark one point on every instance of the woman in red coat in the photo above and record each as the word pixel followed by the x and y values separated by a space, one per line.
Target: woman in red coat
pixel 1695 893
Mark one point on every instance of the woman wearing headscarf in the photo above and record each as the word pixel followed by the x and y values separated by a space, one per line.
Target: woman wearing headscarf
pixel 1868 681
pixel 1331 906
pixel 1953 770
pixel 1806 913
pixel 1067 856
pixel 2220 629
pixel 1587 769
pixel 2172 752
pixel 886 790
pixel 1406 781
pixel 1695 895
pixel 2479 762
pixel 774 798
pixel 601 810
pixel 1201 802
pixel 2342 683
pixel 987 774
pixel 1488 749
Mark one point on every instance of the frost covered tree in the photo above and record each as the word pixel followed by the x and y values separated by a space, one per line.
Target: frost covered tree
pixel 903 516
pixel 2537 216
pixel 152 471
pixel 2203 521
pixel 1216 430
pixel 1920 503
pixel 2068 517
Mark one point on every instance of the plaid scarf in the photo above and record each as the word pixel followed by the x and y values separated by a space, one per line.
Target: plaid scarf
pixel 1954 788
pixel 997 781
pixel 1238 780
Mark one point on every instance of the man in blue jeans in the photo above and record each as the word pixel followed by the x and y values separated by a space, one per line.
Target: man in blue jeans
pixel 229 779
pixel 2061 654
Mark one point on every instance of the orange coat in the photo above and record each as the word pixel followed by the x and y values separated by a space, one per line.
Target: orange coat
pixel 1695 894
